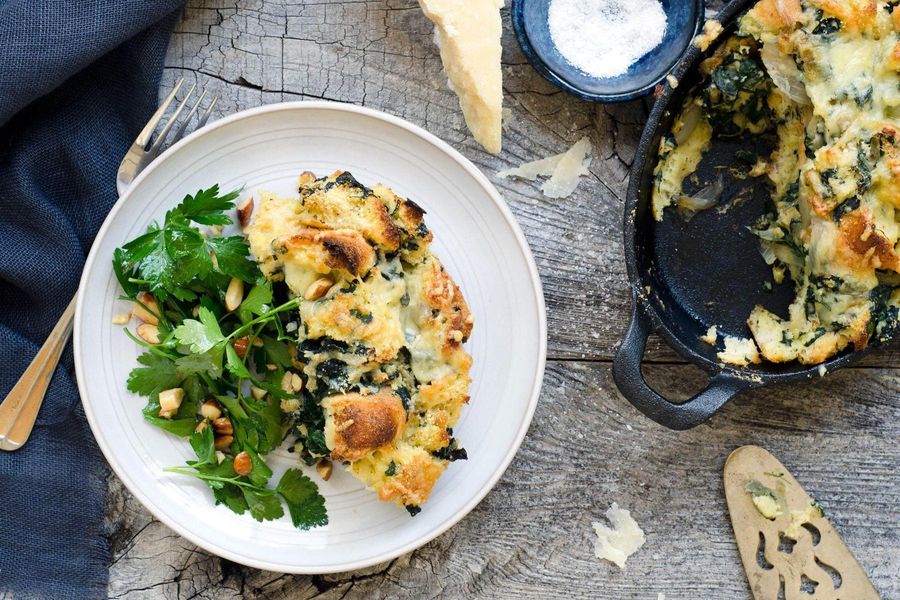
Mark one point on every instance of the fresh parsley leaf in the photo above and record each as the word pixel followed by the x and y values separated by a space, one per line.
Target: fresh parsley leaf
pixel 182 427
pixel 305 504
pixel 263 506
pixel 261 472
pixel 232 257
pixel 200 336
pixel 209 362
pixel 278 353
pixel 203 444
pixel 208 207
pixel 158 373
pixel 257 301
pixel 235 365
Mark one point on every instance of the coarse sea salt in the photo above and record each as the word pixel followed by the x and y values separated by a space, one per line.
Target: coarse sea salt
pixel 602 38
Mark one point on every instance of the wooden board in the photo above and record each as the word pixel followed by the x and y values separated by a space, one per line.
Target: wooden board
pixel 532 537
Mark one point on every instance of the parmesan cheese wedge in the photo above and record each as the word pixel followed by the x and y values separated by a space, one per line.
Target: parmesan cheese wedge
pixel 468 34
pixel 564 170
pixel 623 539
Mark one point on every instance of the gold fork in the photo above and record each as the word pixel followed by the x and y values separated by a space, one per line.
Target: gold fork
pixel 19 409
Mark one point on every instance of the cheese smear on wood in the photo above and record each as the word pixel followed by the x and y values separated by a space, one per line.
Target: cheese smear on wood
pixel 468 33
pixel 623 539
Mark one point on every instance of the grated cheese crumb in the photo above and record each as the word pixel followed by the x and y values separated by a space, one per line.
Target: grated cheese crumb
pixel 711 336
pixel 739 351
pixel 625 537
pixel 563 170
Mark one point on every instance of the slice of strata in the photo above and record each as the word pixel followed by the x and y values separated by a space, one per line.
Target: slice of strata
pixel 468 34
pixel 381 332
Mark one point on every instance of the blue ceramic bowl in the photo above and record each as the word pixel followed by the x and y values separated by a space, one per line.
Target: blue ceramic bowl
pixel 529 18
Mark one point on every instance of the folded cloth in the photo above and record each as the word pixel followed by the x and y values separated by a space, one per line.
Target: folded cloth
pixel 78 80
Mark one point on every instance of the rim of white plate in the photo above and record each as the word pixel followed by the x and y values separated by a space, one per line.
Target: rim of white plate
pixel 211 545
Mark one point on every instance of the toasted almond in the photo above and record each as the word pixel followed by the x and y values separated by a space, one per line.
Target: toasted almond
pixel 146 308
pixel 223 441
pixel 121 318
pixel 234 295
pixel 149 333
pixel 289 405
pixel 244 210
pixel 318 288
pixel 223 425
pixel 271 366
pixel 243 464
pixel 307 177
pixel 240 346
pixel 325 468
pixel 220 456
pixel 169 402
pixel 210 410
pixel 257 393
pixel 201 425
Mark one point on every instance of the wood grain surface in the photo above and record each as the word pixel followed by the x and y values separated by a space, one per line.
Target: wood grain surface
pixel 531 537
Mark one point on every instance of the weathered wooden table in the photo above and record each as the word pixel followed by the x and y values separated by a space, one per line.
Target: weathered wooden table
pixel 587 447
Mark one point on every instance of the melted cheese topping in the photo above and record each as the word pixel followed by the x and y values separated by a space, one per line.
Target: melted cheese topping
pixel 835 171
pixel 385 372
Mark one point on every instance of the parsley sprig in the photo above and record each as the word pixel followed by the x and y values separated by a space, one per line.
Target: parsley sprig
pixel 187 270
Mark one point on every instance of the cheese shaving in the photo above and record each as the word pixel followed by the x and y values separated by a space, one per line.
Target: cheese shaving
pixel 618 543
pixel 563 170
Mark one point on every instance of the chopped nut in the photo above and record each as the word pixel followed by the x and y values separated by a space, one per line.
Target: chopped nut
pixel 210 410
pixel 289 405
pixel 169 401
pixel 223 425
pixel 271 366
pixel 324 467
pixel 286 382
pixel 296 383
pixel 223 441
pixel 307 177
pixel 318 288
pixel 149 333
pixel 146 308
pixel 257 393
pixel 121 318
pixel 201 425
pixel 243 464
pixel 240 346
pixel 234 295
pixel 244 210
pixel 220 456
pixel 195 312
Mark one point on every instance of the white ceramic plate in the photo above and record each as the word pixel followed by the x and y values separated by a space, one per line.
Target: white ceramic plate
pixel 478 241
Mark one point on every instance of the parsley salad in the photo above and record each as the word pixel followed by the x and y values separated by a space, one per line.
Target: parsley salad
pixel 216 356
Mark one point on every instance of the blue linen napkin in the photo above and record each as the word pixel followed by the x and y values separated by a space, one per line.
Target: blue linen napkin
pixel 78 80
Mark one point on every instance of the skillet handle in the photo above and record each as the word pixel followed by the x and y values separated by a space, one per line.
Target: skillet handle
pixel 630 381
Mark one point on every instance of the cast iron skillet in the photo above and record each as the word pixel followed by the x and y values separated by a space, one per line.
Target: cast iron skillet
pixel 686 276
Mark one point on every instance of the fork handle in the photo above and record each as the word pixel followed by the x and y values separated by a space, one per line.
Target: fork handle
pixel 19 410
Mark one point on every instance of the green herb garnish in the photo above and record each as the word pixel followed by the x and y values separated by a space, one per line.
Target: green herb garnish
pixel 214 354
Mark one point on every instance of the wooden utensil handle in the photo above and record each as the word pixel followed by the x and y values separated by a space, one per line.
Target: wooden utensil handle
pixel 19 409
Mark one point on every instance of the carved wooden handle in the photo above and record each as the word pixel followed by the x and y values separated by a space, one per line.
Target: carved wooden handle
pixel 19 409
